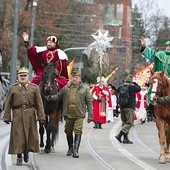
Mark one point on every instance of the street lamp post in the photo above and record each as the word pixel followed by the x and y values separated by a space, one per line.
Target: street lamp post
pixel 34 5
pixel 14 43
pixel 0 58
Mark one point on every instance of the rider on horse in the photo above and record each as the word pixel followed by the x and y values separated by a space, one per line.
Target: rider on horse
pixel 39 56
pixel 161 61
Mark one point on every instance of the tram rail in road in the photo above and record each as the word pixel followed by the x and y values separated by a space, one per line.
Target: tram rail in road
pixel 98 150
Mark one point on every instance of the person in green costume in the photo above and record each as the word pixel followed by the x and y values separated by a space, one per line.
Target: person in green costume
pixel 161 60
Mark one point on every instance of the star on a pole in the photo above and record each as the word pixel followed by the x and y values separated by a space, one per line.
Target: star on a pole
pixel 102 42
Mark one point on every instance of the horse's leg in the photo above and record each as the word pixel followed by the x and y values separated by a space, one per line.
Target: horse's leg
pixel 48 142
pixel 161 134
pixel 56 128
pixel 167 149
pixel 41 132
pixel 49 128
pixel 54 136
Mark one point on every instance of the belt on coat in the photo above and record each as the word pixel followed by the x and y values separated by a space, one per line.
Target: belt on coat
pixel 23 107
pixel 71 105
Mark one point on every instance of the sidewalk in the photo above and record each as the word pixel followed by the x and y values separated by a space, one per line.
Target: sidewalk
pixel 1 115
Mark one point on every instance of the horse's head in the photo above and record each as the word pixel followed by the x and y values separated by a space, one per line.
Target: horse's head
pixel 160 85
pixel 48 77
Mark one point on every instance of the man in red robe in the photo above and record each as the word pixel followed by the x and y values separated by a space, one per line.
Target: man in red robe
pixel 101 95
pixel 39 56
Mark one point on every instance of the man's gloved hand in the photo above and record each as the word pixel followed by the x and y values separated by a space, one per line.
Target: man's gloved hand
pixel 89 120
pixel 99 99
pixel 134 83
pixel 154 100
pixel 48 98
pixel 7 122
pixel 42 122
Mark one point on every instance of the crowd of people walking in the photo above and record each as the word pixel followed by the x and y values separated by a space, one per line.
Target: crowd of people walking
pixel 103 103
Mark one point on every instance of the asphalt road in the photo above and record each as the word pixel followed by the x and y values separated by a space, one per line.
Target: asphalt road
pixel 98 150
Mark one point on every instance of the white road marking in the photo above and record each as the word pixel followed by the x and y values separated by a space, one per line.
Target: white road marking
pixel 8 159
pixel 124 151
pixel 3 143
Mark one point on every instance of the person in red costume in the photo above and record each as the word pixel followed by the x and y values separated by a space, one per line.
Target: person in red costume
pixel 101 95
pixel 39 56
pixel 141 104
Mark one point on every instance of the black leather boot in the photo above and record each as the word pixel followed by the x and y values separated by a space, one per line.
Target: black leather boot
pixel 26 157
pixel 95 125
pixel 118 137
pixel 77 140
pixel 70 145
pixel 126 139
pixel 19 160
pixel 100 125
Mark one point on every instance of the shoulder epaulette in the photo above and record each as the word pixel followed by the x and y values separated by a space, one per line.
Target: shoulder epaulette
pixel 14 84
pixel 33 84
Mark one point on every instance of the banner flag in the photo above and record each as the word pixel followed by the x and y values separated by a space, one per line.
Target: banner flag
pixel 142 76
pixel 70 67
pixel 111 74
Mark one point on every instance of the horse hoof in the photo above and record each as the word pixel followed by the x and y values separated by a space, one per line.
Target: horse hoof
pixel 47 150
pixel 162 160
pixel 168 159
pixel 41 145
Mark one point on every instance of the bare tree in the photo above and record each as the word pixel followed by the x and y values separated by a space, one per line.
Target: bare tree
pixel 153 19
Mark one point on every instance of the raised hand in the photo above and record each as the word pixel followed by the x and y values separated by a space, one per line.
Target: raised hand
pixel 25 36
pixel 143 41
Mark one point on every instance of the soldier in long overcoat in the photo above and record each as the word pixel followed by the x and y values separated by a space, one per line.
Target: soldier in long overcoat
pixel 23 108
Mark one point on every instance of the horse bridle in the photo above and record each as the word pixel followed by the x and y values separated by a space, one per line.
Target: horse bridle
pixel 154 92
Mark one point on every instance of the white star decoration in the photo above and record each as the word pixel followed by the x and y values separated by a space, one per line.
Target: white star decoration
pixel 102 42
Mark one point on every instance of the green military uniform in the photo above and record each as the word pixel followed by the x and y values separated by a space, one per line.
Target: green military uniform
pixel 75 100
pixel 23 100
pixel 72 121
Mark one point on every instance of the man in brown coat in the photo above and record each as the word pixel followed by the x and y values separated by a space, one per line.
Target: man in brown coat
pixel 25 101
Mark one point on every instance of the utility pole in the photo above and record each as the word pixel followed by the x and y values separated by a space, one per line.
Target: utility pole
pixel 0 58
pixel 14 43
pixel 34 5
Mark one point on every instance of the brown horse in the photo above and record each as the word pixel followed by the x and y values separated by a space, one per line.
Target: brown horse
pixel 52 110
pixel 160 86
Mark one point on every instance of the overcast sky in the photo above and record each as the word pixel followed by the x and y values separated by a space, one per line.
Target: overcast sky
pixel 164 5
